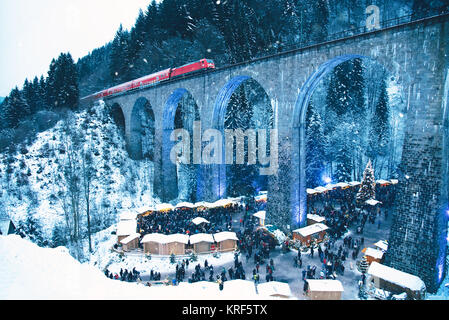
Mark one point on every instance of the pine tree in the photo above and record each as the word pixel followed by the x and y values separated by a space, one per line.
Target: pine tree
pixel 119 66
pixel 316 143
pixel 380 125
pixel 367 189
pixel 364 265
pixel 16 109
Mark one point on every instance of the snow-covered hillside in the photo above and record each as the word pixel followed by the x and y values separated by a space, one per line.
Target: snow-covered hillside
pixel 30 272
pixel 33 182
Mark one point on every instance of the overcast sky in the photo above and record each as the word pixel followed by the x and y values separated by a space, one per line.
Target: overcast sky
pixel 32 32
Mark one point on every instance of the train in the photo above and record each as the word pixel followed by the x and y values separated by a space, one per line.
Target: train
pixel 153 79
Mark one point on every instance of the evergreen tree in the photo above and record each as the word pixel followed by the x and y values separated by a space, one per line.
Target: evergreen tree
pixel 16 109
pixel 316 143
pixel 367 189
pixel 119 66
pixel 380 130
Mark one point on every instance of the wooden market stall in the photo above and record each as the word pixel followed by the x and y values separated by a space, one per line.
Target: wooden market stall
pixel 131 242
pixel 395 281
pixel 372 255
pixel 126 228
pixel 154 243
pixel 324 289
pixel 307 235
pixel 261 215
pixel 202 242
pixel 274 289
pixel 176 243
pixel 314 218
pixel 226 241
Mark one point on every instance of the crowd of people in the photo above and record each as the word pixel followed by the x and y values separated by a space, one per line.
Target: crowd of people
pixel 124 275
pixel 179 220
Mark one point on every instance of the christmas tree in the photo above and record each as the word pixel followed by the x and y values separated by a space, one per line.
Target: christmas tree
pixel 368 187
pixel 363 267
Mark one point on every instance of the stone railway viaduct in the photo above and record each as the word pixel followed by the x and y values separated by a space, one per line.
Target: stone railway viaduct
pixel 415 53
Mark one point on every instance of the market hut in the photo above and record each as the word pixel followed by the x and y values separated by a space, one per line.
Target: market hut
pixel 314 218
pixel 324 289
pixel 130 242
pixel 185 205
pixel 176 243
pixel 373 255
pixel 261 215
pixel 226 241
pixel 154 243
pixel 199 220
pixel 261 198
pixel 164 207
pixel 383 182
pixel 314 232
pixel 202 242
pixel 382 245
pixel 274 289
pixel 395 281
pixel 126 228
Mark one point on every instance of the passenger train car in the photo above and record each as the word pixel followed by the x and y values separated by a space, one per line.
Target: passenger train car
pixel 153 79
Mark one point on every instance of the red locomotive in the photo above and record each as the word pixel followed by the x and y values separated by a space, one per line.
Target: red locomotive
pixel 154 79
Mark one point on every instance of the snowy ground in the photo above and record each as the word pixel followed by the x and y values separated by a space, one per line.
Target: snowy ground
pixel 30 272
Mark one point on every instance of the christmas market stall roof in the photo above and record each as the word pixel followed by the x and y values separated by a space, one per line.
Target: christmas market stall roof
pixel 145 209
pixel 315 217
pixel 199 220
pixel 325 285
pixel 274 288
pixel 126 227
pixel 177 237
pixel 225 235
pixel 260 214
pixel 262 197
pixel 342 185
pixel 382 181
pixel 382 244
pixel 354 183
pixel 155 237
pixel 130 238
pixel 164 207
pixel 201 237
pixel 375 253
pixel 310 191
pixel 314 228
pixel 185 205
pixel 372 202
pixel 320 189
pixel 402 279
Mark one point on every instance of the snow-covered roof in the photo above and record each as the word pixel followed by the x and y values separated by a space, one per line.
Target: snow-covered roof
pixel 330 186
pixel 155 237
pixel 394 181
pixel 354 183
pixel 375 253
pixel 382 244
pixel 310 191
pixel 315 217
pixel 272 288
pixel 325 285
pixel 260 214
pixel 314 228
pixel 199 220
pixel 320 189
pixel 382 181
pixel 178 237
pixel 130 238
pixel 403 279
pixel 262 197
pixel 372 202
pixel 225 235
pixel 201 237
pixel 342 184
pixel 128 215
pixel 126 227
pixel 144 209
pixel 185 205
pixel 164 207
